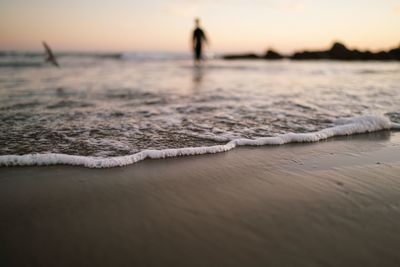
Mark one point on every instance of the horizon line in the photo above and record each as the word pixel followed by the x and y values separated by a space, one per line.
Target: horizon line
pixel 110 51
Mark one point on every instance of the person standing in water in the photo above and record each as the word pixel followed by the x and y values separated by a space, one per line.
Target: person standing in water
pixel 199 37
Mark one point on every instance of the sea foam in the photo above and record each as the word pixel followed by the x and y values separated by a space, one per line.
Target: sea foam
pixel 346 126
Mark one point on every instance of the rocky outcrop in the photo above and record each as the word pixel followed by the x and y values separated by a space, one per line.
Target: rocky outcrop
pixel 272 55
pixel 338 51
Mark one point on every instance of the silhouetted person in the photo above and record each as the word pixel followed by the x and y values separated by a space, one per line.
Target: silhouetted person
pixel 50 56
pixel 199 37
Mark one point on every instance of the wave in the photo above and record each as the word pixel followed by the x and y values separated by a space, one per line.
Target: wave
pixel 25 64
pixel 152 56
pixel 346 126
pixel 11 54
pixel 126 56
pixel 12 59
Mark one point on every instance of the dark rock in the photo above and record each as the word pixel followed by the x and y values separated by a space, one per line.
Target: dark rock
pixel 241 56
pixel 310 55
pixel 395 53
pixel 272 55
pixel 340 51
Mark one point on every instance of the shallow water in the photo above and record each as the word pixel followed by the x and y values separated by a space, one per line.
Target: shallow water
pixel 103 106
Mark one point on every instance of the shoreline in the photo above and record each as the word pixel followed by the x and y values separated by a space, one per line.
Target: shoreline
pixel 333 202
pixel 343 127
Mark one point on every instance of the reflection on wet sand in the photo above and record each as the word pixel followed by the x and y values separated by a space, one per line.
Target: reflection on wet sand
pixel 197 78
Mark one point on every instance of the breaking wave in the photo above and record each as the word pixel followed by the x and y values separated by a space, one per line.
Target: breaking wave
pixel 346 126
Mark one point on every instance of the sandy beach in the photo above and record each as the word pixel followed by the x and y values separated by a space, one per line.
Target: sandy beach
pixel 168 133
pixel 331 203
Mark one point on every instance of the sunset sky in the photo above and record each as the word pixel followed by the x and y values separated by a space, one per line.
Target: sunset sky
pixel 165 25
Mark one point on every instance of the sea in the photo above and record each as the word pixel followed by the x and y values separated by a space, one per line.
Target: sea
pixel 107 110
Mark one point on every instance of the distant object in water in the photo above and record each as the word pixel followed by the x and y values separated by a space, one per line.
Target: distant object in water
pixel 198 38
pixel 50 56
pixel 338 51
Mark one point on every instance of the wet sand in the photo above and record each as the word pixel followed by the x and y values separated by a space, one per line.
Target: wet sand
pixel 332 203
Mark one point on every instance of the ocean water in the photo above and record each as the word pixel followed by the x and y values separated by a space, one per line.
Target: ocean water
pixel 109 107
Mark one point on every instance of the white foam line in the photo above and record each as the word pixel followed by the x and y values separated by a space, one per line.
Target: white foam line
pixel 346 126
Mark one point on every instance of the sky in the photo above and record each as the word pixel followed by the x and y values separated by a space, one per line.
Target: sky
pixel 166 25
